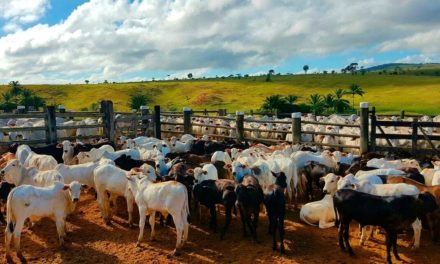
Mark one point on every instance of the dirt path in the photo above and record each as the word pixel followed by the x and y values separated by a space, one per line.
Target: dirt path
pixel 90 241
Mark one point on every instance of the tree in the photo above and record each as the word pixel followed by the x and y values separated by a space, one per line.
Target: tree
pixel 354 90
pixel 291 99
pixel 137 100
pixel 273 102
pixel 271 71
pixel 328 102
pixel 269 75
pixel 190 75
pixel 316 103
pixel 87 81
pixel 306 68
pixel 339 103
pixel 105 81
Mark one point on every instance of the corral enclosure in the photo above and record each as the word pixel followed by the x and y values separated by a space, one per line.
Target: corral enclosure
pixel 91 241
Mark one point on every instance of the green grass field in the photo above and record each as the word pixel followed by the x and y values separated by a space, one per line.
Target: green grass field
pixel 389 93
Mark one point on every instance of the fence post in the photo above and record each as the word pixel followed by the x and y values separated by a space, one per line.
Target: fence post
pixel 296 128
pixel 373 130
pixel 402 115
pixel 61 108
pixel 240 125
pixel 145 111
pixel 364 127
pixel 51 124
pixel 21 109
pixel 157 132
pixel 108 120
pixel 414 136
pixel 187 129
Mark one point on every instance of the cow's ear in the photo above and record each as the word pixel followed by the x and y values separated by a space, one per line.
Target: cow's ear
pixel 59 145
pixel 205 172
pixel 66 187
pixel 338 178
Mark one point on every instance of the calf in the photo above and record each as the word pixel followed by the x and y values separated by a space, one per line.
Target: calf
pixel 314 172
pixel 249 198
pixel 41 162
pixel 168 198
pixel 391 213
pixel 15 173
pixel 322 212
pixel 212 192
pixel 111 182
pixel 275 204
pixel 56 201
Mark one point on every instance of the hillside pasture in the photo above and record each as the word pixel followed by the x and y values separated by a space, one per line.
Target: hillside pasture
pixel 389 93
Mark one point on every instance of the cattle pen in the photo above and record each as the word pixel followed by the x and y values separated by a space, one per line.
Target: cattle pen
pixel 111 124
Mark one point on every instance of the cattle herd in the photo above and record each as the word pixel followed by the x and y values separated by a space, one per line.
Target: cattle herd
pixel 174 179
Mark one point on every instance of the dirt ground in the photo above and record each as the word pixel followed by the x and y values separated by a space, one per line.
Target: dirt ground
pixel 91 241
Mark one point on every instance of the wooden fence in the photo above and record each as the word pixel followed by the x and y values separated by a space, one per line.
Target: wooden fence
pixel 108 127
pixel 114 124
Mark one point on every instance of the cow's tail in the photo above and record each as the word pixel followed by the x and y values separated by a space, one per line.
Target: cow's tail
pixel 186 212
pixel 10 219
pixel 337 222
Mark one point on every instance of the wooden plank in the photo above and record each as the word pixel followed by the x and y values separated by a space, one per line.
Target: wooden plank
pixel 405 136
pixel 428 139
pixel 333 145
pixel 50 124
pixel 330 134
pixel 329 124
pixel 383 133
pixel 16 129
pixel 394 123
pixel 79 126
pixel 27 142
pixel 80 114
pixel 172 123
pixel 15 116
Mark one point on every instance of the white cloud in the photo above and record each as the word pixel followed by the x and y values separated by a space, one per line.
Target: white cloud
pixel 366 62
pixel 105 39
pixel 19 12
pixel 420 58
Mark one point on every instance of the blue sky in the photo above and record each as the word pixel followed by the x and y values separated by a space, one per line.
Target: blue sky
pixel 68 41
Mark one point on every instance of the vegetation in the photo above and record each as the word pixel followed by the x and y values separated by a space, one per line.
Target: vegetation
pixel 388 93
pixel 17 95
pixel 305 68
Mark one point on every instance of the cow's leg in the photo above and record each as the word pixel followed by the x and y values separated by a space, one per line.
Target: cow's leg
pixel 213 221
pixel 417 227
pixel 256 213
pixel 394 244
pixel 129 199
pixel 185 230
pixel 363 235
pixel 341 239
pixel 114 205
pixel 152 221
pixel 243 220
pixel 17 236
pixel 60 230
pixel 388 242
pixel 228 216
pixel 8 237
pixel 347 237
pixel 142 217
pixel 281 230
pixel 274 232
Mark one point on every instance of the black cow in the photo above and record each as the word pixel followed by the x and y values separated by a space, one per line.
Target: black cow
pixel 391 213
pixel 275 204
pixel 127 163
pixel 249 199
pixel 212 192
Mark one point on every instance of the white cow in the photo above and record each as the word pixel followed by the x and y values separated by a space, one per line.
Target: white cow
pixel 112 180
pixel 56 201
pixel 15 173
pixel 94 154
pixel 322 212
pixel 207 172
pixel 169 197
pixel 83 173
pixel 221 156
pixel 41 162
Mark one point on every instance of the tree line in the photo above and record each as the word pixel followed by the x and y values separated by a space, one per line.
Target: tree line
pixel 18 95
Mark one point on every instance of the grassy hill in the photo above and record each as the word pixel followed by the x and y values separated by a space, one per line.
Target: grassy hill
pixel 389 93
pixel 430 69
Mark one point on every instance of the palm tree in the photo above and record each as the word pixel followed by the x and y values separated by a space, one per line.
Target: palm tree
pixel 306 68
pixel 339 103
pixel 291 99
pixel 273 102
pixel 316 103
pixel 328 101
pixel 354 90
pixel 87 81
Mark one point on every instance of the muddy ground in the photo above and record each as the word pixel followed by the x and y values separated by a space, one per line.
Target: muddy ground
pixel 91 241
